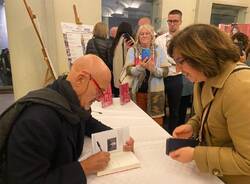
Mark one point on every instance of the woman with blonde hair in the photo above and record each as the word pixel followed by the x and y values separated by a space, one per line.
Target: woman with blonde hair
pixel 148 86
pixel 99 44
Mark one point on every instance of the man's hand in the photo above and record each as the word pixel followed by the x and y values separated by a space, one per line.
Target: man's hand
pixel 183 131
pixel 95 163
pixel 129 145
pixel 183 155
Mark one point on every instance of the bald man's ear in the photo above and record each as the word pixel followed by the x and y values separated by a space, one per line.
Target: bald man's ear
pixel 81 76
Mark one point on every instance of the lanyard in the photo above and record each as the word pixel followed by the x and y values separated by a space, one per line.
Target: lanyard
pixel 204 117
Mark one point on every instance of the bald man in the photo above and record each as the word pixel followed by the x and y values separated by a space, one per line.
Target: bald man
pixel 143 21
pixel 47 138
pixel 113 31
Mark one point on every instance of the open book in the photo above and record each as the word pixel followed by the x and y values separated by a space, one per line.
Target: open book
pixel 113 141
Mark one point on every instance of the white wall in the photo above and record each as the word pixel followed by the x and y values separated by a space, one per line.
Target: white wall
pixel 28 68
pixel 186 6
pixel 199 11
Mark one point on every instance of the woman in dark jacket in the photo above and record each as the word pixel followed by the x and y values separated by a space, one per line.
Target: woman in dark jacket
pixel 99 45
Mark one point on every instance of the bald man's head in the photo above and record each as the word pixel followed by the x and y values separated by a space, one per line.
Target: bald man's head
pixel 89 76
pixel 113 31
pixel 143 21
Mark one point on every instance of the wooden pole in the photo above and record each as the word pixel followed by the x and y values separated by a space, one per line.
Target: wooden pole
pixel 77 19
pixel 50 75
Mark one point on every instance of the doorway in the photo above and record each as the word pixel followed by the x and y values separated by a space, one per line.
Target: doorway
pixel 5 67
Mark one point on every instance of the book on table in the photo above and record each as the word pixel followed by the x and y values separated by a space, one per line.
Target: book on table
pixel 112 141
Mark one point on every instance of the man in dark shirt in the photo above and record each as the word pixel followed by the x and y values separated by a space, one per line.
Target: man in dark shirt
pixel 46 141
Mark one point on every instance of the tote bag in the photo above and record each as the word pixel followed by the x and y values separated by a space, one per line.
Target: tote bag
pixel 125 78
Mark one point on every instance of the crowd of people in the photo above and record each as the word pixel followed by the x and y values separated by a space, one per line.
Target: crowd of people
pixel 185 61
pixel 158 88
pixel 47 137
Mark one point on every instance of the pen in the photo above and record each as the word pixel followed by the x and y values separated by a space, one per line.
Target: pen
pixel 97 112
pixel 99 146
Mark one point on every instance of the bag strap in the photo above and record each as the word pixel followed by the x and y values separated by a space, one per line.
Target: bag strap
pixel 206 111
pixel 123 55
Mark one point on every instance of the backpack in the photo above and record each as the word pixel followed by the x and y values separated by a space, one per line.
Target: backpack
pixel 45 96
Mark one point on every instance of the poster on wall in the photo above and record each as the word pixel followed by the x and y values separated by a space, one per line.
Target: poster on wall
pixel 76 38
pixel 232 28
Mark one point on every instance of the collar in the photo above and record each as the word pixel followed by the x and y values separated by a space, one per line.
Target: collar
pixel 213 83
pixel 168 35
pixel 64 88
pixel 219 80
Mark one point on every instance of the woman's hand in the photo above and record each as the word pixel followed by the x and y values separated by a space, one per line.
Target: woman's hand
pixel 148 64
pixel 129 43
pixel 184 155
pixel 183 131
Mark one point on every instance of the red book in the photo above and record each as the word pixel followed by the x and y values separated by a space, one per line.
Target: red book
pixel 107 98
pixel 124 93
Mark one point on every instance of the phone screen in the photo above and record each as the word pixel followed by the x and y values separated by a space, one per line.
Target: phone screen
pixel 145 53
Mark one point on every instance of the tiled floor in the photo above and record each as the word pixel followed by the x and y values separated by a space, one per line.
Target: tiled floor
pixel 5 101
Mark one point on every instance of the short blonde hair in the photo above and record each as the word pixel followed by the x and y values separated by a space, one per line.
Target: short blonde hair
pixel 148 28
pixel 100 30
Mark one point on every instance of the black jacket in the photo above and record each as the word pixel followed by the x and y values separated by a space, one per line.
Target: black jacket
pixel 104 49
pixel 46 142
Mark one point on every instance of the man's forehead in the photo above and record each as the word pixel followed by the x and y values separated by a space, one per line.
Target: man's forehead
pixel 174 16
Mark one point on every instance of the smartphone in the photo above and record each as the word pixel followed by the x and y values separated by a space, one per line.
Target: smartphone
pixel 129 39
pixel 173 144
pixel 127 36
pixel 145 53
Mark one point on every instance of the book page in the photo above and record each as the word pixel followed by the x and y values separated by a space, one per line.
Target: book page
pixel 120 161
pixel 110 140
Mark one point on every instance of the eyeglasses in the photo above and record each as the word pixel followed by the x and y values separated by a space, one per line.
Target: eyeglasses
pixel 180 60
pixel 100 90
pixel 173 21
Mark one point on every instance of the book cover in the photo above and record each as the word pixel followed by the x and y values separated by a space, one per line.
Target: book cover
pixel 112 141
pixel 107 98
pixel 124 93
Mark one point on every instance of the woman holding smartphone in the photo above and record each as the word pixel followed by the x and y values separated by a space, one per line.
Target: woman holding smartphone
pixel 118 51
pixel 148 65
pixel 221 103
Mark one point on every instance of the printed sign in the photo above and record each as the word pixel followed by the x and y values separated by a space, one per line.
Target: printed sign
pixel 76 38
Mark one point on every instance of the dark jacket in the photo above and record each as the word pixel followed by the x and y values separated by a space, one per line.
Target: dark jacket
pixel 103 45
pixel 46 142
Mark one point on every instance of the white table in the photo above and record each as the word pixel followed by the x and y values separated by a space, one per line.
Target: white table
pixel 150 139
